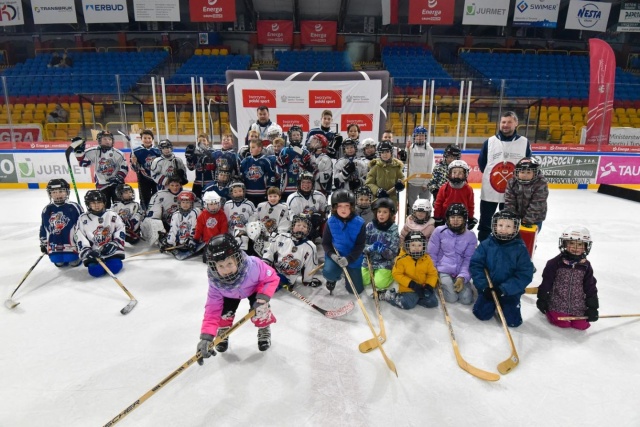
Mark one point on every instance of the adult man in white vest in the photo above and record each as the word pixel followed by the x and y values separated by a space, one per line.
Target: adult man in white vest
pixel 497 161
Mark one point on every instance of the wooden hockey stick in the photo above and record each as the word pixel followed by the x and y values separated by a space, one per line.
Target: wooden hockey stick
pixel 347 276
pixel 605 316
pixel 155 251
pixel 9 303
pixel 508 365
pixel 178 371
pixel 370 344
pixel 532 290
pixel 476 372
pixel 315 270
pixel 133 301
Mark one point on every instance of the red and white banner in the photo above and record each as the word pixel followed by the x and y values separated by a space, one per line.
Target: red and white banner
pixel 364 121
pixel 322 33
pixel 54 12
pixel 254 98
pixel 212 10
pixel 275 32
pixel 389 12
pixel 157 10
pixel 431 12
pixel 288 120
pixel 11 13
pixel 24 133
pixel 601 90
pixel 325 98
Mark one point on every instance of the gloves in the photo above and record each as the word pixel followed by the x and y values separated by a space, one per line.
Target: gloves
pixel 592 309
pixel 527 224
pixel 91 258
pixel 313 283
pixel 284 158
pixel 116 180
pixel 399 186
pixel 203 348
pixel 438 222
pixel 108 249
pixel 471 223
pixel 263 317
pixel 337 141
pixel 543 303
pixel 330 286
pixel 183 176
pixel 415 287
pixel 78 144
pixel 489 291
pixel 382 193
pixel 340 260
pixel 349 168
pixel 378 246
pixel 190 153
pixel 43 248
pixel 402 154
pixel 190 245
pixel 458 285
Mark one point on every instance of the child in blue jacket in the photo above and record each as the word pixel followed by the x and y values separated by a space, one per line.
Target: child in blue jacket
pixel 505 258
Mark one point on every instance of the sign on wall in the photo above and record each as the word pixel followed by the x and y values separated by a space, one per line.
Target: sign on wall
pixel 319 33
pixel 431 12
pixel 98 12
pixel 485 12
pixel 536 13
pixel 569 168
pixel 587 15
pixel 619 170
pixel 629 20
pixel 54 12
pixel 212 10
pixel 275 32
pixel 11 13
pixel 157 10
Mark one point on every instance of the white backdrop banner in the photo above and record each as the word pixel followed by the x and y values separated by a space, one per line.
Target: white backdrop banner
pixel 157 10
pixel 536 13
pixel 485 12
pixel 629 20
pixel 54 12
pixel 302 102
pixel 587 15
pixel 11 13
pixel 97 12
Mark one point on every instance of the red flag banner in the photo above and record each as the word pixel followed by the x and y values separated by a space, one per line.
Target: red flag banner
pixel 601 90
pixel 431 12
pixel 318 32
pixel 275 32
pixel 212 10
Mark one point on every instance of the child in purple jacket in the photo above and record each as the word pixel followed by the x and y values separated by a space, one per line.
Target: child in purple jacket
pixel 568 287
pixel 233 276
pixel 451 247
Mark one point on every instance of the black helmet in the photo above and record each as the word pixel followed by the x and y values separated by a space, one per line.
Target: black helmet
pixel 505 215
pixel 298 235
pixel 384 202
pixel 94 196
pixel 295 128
pixel 305 176
pixel 123 188
pixel 415 236
pixel 58 184
pixel 527 164
pixel 343 196
pixel 239 184
pixel 457 209
pixel 165 143
pixel 363 191
pixel 219 248
pixel 452 150
pixel 385 146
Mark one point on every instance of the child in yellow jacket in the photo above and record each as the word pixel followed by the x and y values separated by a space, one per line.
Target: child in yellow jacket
pixel 416 275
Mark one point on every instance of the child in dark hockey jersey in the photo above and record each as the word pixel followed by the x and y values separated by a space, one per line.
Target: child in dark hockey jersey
pixel 59 224
pixel 419 220
pixel 183 228
pixel 505 258
pixel 456 190
pixel 100 235
pixel 416 276
pixel 334 141
pixel 239 211
pixel 364 198
pixel 451 247
pixel 343 242
pixel 527 193
pixel 129 212
pixel 211 221
pixel 381 244
pixel 226 157
pixel 273 214
pixel 440 171
pixel 200 159
pixel 568 287
pixel 258 174
pixel 141 160
pixel 233 276
pixel 292 255
pixel 349 171
pixel 293 160
pixel 221 184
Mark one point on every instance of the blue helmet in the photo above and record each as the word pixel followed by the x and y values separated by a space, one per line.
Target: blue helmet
pixel 420 130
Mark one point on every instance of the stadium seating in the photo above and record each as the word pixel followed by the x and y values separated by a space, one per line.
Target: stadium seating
pixel 211 68
pixel 410 65
pixel 310 61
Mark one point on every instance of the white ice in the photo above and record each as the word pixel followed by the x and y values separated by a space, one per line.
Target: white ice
pixel 69 358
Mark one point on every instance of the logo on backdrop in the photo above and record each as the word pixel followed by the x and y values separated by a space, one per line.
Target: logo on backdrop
pixel 26 169
pixel 589 15
pixel 257 97
pixel 325 99
pixel 365 121
pixel 8 13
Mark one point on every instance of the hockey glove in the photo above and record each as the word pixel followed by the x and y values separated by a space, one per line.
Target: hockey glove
pixel 91 258
pixel 203 348
pixel 331 152
pixel 330 286
pixel 489 291
pixel 382 193
pixel 108 249
pixel 337 141
pixel 183 176
pixel 471 223
pixel 527 224
pixel 399 186
pixel 340 260
pixel 592 309
pixel 116 180
pixel 190 153
pixel 263 317
pixel 402 154
pixel 458 285
pixel 78 144
pixel 43 248
pixel 349 168
pixel 190 245
pixel 415 287
pixel 313 283
pixel 543 302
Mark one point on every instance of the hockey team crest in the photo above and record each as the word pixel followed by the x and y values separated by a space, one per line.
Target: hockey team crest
pixel 289 265
pixel 254 173
pixel 211 222
pixel 101 235
pixel 500 176
pixel 57 222
pixel 269 223
pixel 106 166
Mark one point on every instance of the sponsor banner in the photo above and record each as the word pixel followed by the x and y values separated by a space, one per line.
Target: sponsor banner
pixel 389 12
pixel 287 120
pixel 318 32
pixel 212 10
pixel 619 170
pixel 587 15
pixel 11 13
pixel 485 12
pixel 602 75
pixel 629 20
pixel 101 11
pixel 301 103
pixel 7 169
pixel 431 12
pixel 364 121
pixel 275 32
pixel 585 148
pixel 54 12
pixel 24 133
pixel 536 13
pixel 624 136
pixel 569 168
pixel 157 10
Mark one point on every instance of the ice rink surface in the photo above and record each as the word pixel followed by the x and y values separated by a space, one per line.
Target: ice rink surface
pixel 69 358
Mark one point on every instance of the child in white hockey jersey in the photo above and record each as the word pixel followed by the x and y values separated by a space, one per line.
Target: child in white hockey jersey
pixel 183 228
pixel 381 244
pixel 167 165
pixel 272 213
pixel 239 211
pixel 322 163
pixel 310 202
pixel 129 211
pixel 292 255
pixel 162 205
pixel 100 235
pixel 419 220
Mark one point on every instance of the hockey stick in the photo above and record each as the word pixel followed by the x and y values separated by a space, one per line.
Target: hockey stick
pixel 476 372
pixel 370 344
pixel 605 316
pixel 331 314
pixel 155 251
pixel 506 366
pixel 533 290
pixel 178 371
pixel 315 270
pixel 9 303
pixel 67 154
pixel 347 276
pixel 133 301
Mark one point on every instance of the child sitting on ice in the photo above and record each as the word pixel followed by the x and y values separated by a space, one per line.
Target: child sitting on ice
pixel 183 228
pixel 382 242
pixel 419 220
pixel 129 211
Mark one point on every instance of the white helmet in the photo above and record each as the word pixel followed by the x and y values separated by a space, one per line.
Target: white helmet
pixel 459 164
pixel 256 229
pixel 274 131
pixel 421 205
pixel 369 142
pixel 575 233
pixel 211 197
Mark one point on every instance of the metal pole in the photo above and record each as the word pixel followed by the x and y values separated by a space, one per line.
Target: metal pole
pixel 431 102
pixel 204 123
pixel 6 101
pixel 466 121
pixel 195 108
pixel 164 105
pixel 155 106
pixel 424 96
pixel 459 111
